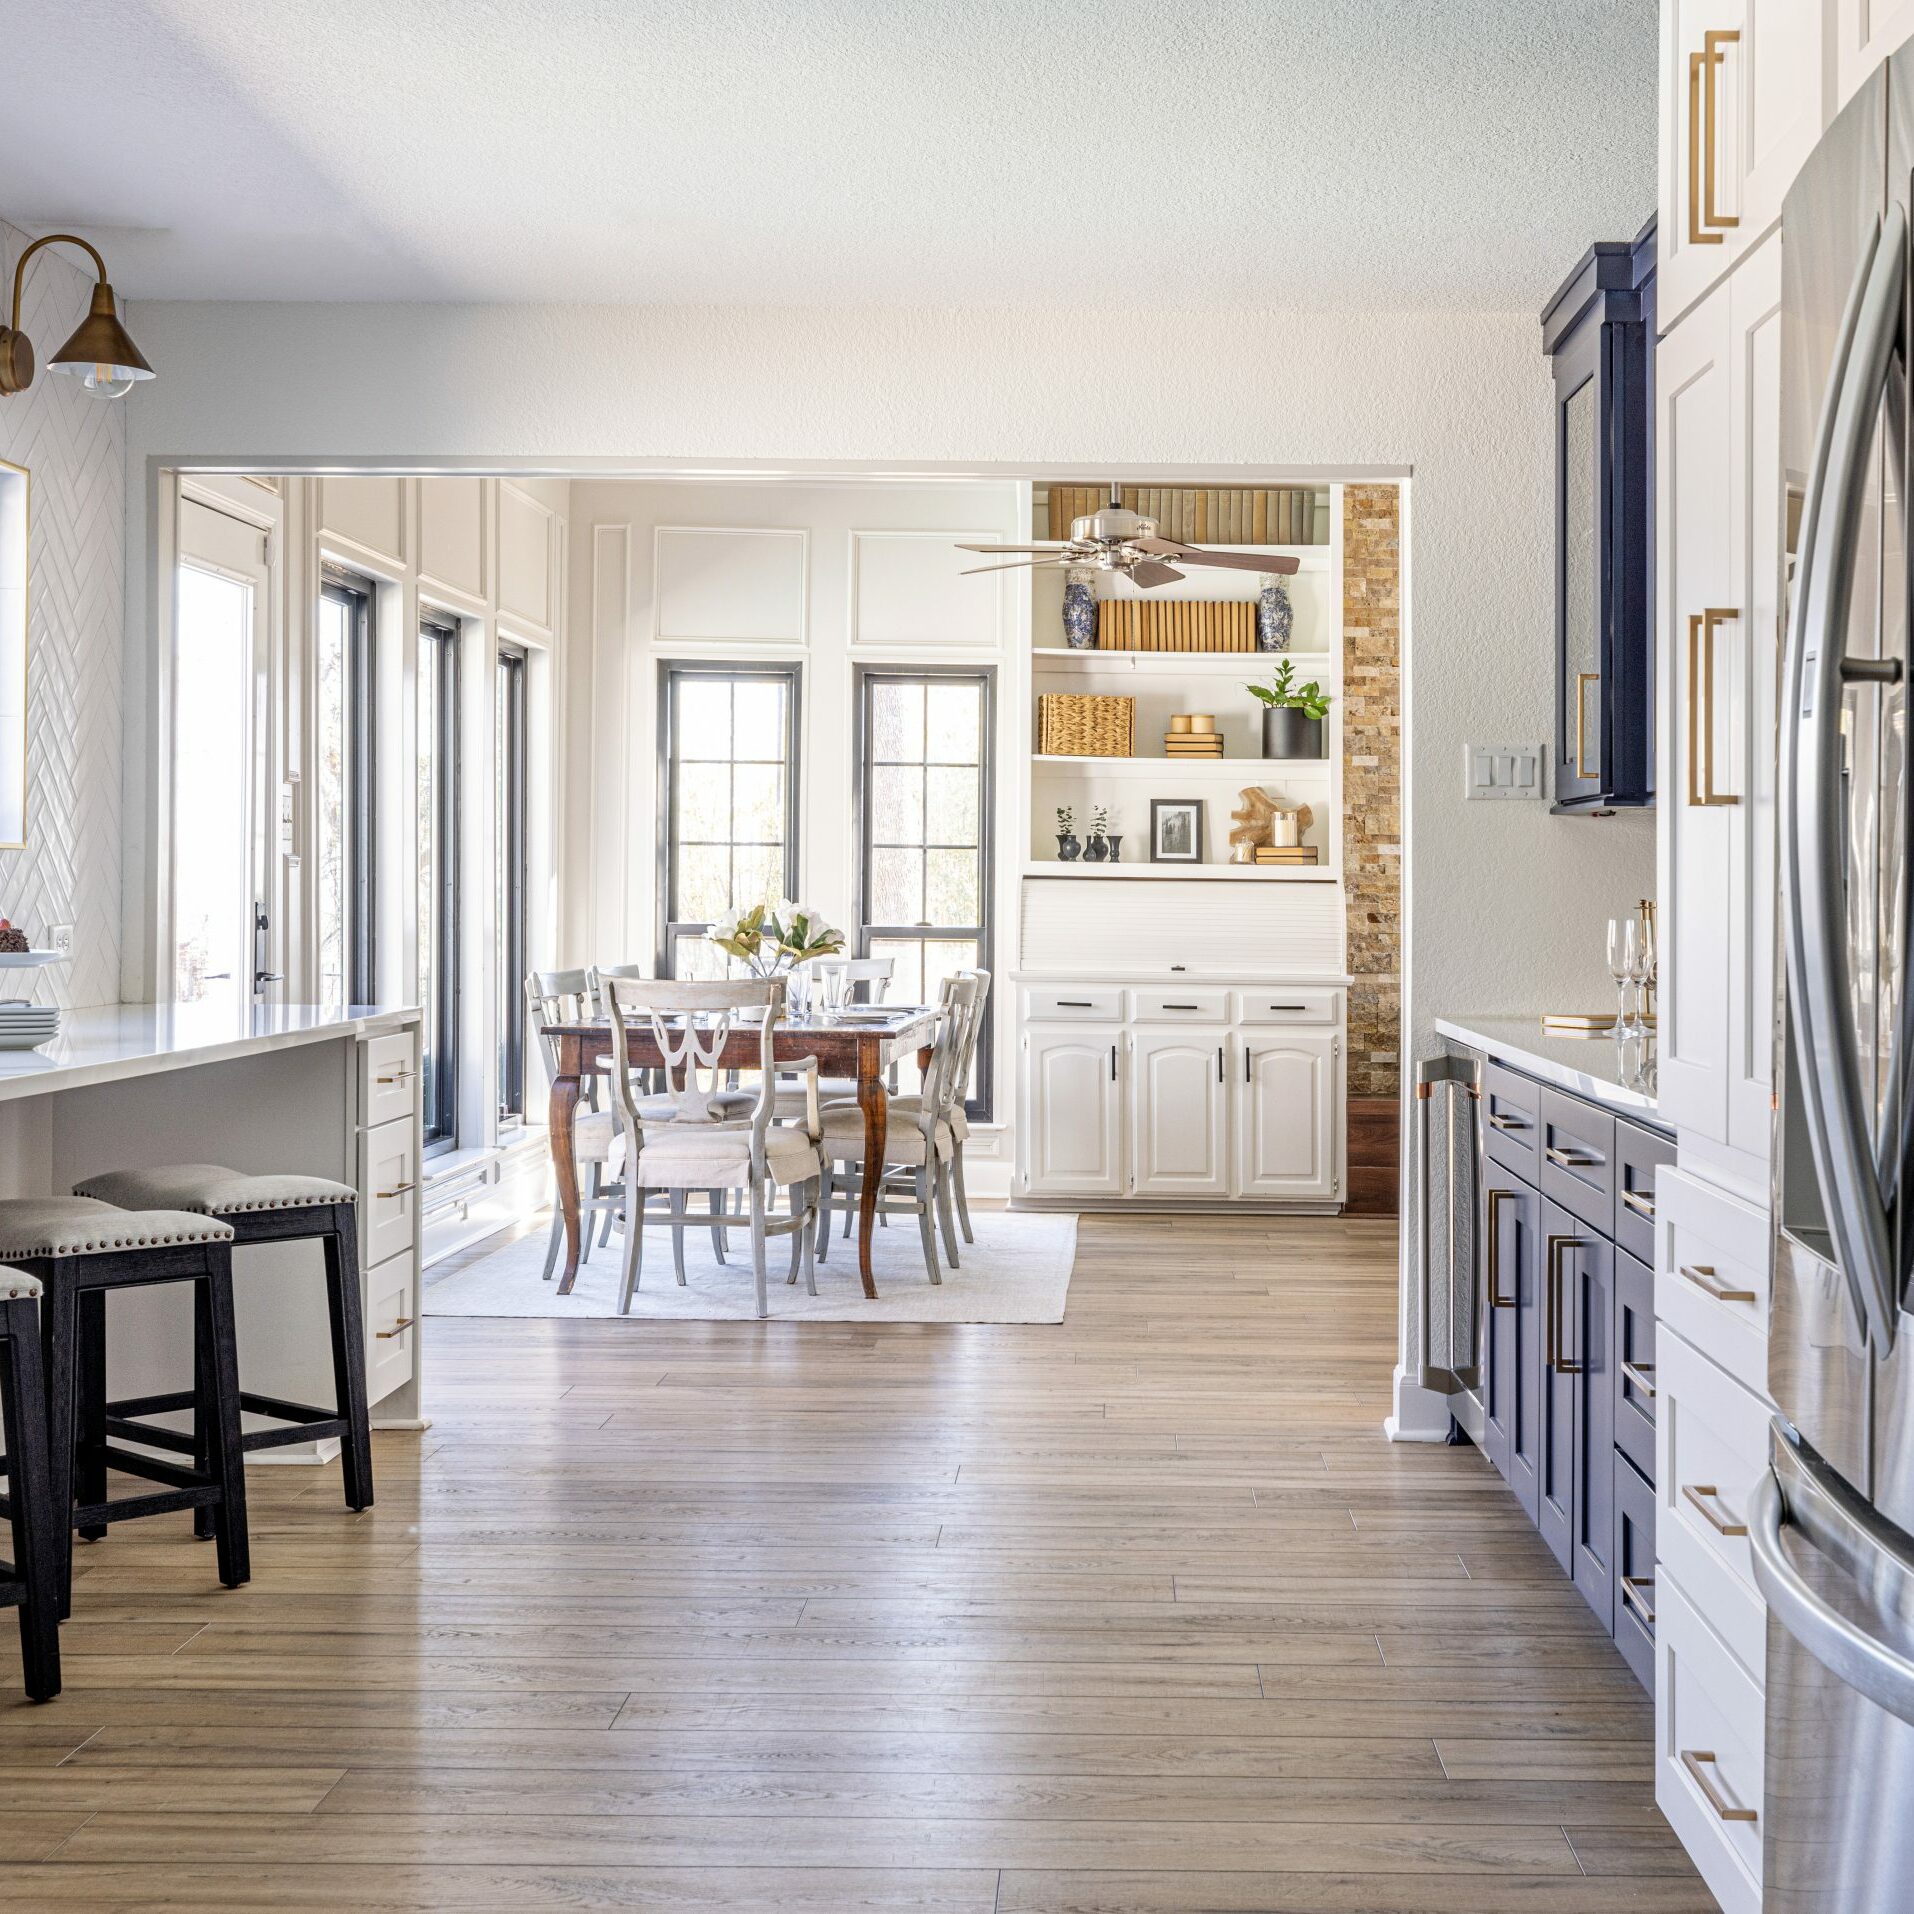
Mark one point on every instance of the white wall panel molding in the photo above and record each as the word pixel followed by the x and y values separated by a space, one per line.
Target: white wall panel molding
pixel 713 584
pixel 527 557
pixel 452 540
pixel 367 513
pixel 908 591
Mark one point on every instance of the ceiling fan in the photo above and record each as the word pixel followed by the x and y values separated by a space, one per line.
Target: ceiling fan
pixel 1116 540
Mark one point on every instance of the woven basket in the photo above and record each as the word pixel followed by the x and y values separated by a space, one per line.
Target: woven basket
pixel 1076 725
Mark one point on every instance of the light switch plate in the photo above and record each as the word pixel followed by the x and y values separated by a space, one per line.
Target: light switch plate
pixel 1502 770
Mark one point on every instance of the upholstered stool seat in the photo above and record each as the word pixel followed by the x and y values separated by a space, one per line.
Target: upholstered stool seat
pixel 271 1208
pixel 79 1249
pixel 30 1581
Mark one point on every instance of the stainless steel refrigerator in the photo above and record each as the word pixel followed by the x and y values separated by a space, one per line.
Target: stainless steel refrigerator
pixel 1832 1524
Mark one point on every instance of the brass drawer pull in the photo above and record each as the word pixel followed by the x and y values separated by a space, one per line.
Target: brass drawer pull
pixel 1556 1264
pixel 1701 709
pixel 1702 1275
pixel 1640 1374
pixel 1698 235
pixel 1569 1160
pixel 1583 679
pixel 1496 1197
pixel 1698 1761
pixel 1707 1498
pixel 1643 1206
pixel 1504 1122
pixel 1711 44
pixel 1632 1586
pixel 398 1076
pixel 398 1329
pixel 402 1189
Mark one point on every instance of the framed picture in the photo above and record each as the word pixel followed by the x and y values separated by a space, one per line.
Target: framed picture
pixel 1176 830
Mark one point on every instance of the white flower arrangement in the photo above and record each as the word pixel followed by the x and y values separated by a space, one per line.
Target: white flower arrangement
pixel 776 935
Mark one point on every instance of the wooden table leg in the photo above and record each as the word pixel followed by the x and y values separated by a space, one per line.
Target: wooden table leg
pixel 875 1103
pixel 564 1162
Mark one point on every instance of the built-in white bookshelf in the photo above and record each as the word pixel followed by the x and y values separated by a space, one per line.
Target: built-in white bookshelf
pixel 1165 683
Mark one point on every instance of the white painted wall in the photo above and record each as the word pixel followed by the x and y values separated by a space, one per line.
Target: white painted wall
pixel 1506 905
pixel 75 449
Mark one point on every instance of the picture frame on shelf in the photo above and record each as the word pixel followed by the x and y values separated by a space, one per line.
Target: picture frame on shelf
pixel 1176 830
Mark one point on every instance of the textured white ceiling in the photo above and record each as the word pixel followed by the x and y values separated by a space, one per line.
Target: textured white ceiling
pixel 1299 153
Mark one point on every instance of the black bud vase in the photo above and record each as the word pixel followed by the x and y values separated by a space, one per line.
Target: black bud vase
pixel 1096 850
pixel 1068 849
pixel 1116 847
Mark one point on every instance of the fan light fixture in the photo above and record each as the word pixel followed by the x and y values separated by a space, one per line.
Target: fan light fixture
pixel 100 354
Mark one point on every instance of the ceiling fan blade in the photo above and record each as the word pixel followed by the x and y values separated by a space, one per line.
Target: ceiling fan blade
pixel 1240 561
pixel 1162 547
pixel 1045 549
pixel 1015 565
pixel 1149 571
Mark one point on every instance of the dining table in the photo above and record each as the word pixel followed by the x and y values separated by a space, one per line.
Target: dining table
pixel 858 1044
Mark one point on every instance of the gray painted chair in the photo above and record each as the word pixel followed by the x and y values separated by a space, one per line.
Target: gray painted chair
pixel 700 1146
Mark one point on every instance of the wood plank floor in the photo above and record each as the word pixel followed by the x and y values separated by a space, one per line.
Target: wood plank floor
pixel 1137 1615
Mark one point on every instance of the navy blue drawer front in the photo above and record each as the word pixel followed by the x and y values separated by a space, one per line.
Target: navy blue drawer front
pixel 1639 1154
pixel 1511 1119
pixel 1578 1159
pixel 1635 1570
pixel 1635 1362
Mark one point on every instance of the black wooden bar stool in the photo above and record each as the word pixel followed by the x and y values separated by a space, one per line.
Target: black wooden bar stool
pixel 270 1209
pixel 81 1250
pixel 31 1581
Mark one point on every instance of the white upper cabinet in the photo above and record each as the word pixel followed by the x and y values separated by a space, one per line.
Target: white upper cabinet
pixel 1719 576
pixel 1865 33
pixel 1179 1134
pixel 1745 94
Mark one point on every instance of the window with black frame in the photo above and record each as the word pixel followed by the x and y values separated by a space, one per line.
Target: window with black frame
pixel 509 879
pixel 728 772
pixel 344 788
pixel 438 897
pixel 924 782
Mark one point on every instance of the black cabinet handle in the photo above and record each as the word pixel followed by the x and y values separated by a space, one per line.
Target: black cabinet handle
pixel 1182 1006
pixel 1219 1063
pixel 1297 1008
pixel 1075 1003
pixel 1113 1063
pixel 1246 1063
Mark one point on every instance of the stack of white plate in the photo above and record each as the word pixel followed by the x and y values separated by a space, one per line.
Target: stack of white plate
pixel 25 1026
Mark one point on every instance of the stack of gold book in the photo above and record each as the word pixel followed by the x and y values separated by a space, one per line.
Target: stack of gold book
pixel 1192 734
pixel 1288 854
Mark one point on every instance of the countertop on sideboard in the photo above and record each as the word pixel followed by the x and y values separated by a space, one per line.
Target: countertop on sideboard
pixel 106 1043
pixel 1596 1067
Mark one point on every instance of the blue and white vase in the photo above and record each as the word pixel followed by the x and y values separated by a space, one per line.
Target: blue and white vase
pixel 1275 615
pixel 1080 609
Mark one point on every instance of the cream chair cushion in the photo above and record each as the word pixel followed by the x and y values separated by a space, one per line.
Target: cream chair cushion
pixel 212 1190
pixel 594 1135
pixel 34 1226
pixel 906 1107
pixel 16 1286
pixel 727 1106
pixel 903 1140
pixel 790 1104
pixel 705 1156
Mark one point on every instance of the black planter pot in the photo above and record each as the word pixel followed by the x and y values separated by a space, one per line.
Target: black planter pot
pixel 1288 733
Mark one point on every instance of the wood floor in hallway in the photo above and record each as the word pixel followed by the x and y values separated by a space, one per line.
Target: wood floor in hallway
pixel 1134 1615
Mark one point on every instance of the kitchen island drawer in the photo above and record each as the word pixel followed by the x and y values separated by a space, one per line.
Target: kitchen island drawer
pixel 388 1077
pixel 1639 1156
pixel 1578 1158
pixel 1511 1119
pixel 1712 1441
pixel 1637 1384
pixel 1635 1570
pixel 388 1191
pixel 1711 1274
pixel 391 1313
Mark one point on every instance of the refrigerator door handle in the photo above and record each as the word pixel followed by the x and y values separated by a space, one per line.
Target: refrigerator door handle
pixel 1433 1073
pixel 1849 1537
pixel 1835 1102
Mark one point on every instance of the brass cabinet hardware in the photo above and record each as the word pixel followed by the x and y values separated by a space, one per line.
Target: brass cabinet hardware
pixel 1569 1159
pixel 398 1076
pixel 1583 679
pixel 1712 43
pixel 1705 1497
pixel 398 1329
pixel 1698 1761
pixel 1702 1275
pixel 401 1189
pixel 1503 1121
pixel 1698 235
pixel 1496 1197
pixel 1640 1374
pixel 1640 1204
pixel 1701 707
pixel 1632 1587
pixel 1556 1264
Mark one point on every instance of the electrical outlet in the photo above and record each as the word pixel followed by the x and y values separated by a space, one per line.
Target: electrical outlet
pixel 60 938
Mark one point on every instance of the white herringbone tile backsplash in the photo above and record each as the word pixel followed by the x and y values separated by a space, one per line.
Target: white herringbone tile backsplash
pixel 75 447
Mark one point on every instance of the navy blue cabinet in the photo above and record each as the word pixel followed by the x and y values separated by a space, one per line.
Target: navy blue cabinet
pixel 1599 333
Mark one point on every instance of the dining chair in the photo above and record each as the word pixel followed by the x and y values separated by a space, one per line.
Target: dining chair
pixel 875 974
pixel 919 1141
pixel 698 1147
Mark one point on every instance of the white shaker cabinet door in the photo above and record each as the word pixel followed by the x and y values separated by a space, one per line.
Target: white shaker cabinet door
pixel 1865 33
pixel 1697 614
pixel 1286 1124
pixel 1073 1112
pixel 1179 1135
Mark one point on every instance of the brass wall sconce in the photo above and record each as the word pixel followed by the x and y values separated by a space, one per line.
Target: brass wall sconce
pixel 100 355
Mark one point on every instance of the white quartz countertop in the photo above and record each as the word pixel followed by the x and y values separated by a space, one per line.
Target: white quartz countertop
pixel 1618 1075
pixel 110 1042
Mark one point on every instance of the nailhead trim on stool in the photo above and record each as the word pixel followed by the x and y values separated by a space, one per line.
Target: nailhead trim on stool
pixel 211 1189
pixel 35 1226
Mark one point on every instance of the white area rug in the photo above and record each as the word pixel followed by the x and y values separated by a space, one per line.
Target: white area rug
pixel 1017 1271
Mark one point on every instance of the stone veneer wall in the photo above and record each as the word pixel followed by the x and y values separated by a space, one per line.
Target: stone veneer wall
pixel 1372 783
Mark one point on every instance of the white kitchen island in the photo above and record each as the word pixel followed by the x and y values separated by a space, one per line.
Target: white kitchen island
pixel 291 1087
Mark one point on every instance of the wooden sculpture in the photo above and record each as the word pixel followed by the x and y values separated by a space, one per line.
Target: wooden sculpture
pixel 1253 823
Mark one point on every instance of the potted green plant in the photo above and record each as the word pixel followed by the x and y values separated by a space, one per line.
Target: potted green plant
pixel 1293 714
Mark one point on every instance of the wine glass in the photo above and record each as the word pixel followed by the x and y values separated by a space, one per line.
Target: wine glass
pixel 1624 964
pixel 1647 969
